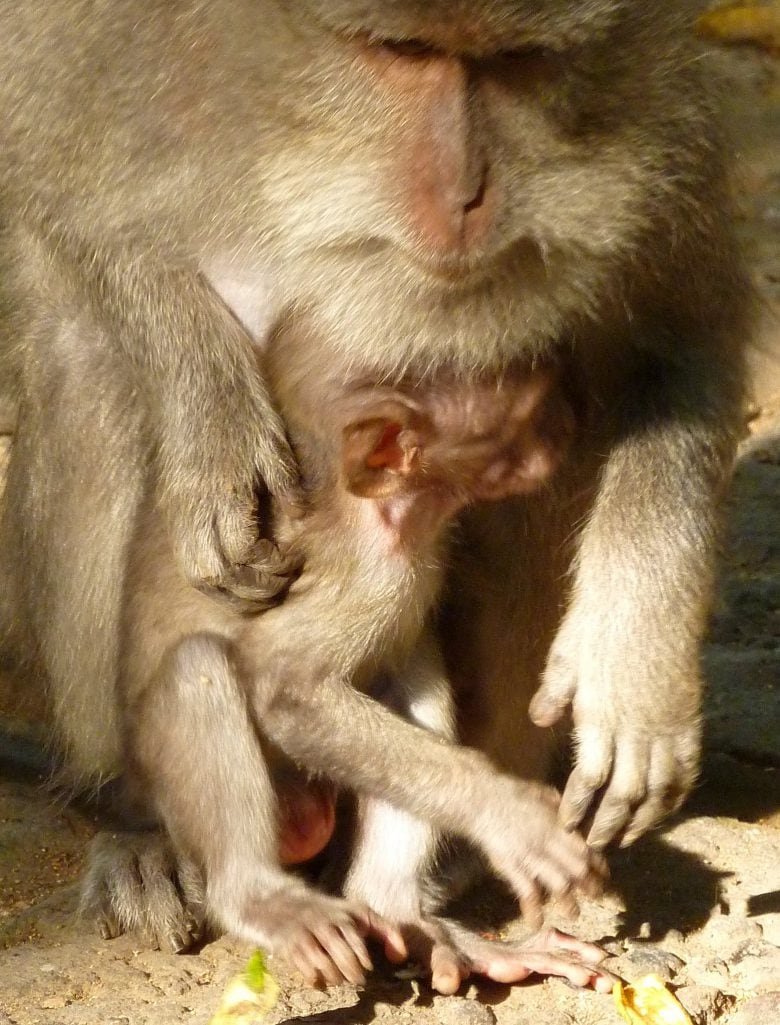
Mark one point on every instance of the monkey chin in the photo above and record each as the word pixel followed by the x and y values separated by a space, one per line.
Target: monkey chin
pixel 307 818
pixel 461 271
pixel 478 270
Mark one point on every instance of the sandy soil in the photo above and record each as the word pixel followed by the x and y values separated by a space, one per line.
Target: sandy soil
pixel 698 903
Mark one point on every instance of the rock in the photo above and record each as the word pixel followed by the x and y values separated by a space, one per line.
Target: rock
pixel 710 972
pixel 733 936
pixel 645 958
pixel 763 1010
pixel 705 1004
pixel 457 1011
pixel 757 965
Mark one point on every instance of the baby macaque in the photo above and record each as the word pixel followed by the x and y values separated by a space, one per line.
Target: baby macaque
pixel 205 689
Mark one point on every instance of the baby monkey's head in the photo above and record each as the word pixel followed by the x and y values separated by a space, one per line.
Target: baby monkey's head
pixel 456 441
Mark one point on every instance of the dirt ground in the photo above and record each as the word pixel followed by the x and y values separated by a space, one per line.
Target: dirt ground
pixel 698 903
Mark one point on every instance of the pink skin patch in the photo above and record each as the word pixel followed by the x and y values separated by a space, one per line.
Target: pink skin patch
pixel 307 818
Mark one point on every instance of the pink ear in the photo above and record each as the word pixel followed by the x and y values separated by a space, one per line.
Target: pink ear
pixel 378 454
pixel 386 454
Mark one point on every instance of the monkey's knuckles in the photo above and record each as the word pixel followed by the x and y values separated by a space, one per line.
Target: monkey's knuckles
pixel 673 770
pixel 212 532
pixel 324 957
pixel 624 779
pixel 219 528
pixel 257 584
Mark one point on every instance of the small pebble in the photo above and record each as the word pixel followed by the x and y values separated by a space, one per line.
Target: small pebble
pixel 762 1010
pixel 457 1011
pixel 757 966
pixel 705 1004
pixel 645 959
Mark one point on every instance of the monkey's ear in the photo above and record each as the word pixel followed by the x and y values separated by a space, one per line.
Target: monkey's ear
pixel 381 452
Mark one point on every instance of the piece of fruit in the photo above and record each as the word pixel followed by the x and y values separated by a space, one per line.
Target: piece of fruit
pixel 649 1002
pixel 248 997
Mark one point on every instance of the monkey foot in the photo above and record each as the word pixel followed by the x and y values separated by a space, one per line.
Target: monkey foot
pixel 452 954
pixel 136 883
pixel 307 811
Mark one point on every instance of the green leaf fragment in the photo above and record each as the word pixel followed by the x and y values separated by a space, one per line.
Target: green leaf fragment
pixel 257 974
pixel 248 997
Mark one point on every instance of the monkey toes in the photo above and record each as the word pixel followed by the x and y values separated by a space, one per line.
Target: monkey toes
pixel 452 953
pixel 135 883
pixel 548 952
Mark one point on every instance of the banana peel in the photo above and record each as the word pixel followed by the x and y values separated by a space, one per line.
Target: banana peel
pixel 649 1002
pixel 753 23
pixel 248 997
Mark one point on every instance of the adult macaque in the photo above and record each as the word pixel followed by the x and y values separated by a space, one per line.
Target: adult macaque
pixel 443 186
pixel 199 683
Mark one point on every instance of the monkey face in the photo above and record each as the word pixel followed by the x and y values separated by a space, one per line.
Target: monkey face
pixel 461 140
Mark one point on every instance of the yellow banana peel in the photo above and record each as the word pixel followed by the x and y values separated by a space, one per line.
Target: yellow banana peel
pixel 744 22
pixel 649 1002
pixel 248 997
